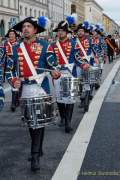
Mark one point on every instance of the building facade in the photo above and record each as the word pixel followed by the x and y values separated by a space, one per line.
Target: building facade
pixel 93 12
pixel 33 8
pixel 106 23
pixel 55 11
pixel 78 7
pixel 12 11
pixel 110 26
pixel 9 15
pixel 67 7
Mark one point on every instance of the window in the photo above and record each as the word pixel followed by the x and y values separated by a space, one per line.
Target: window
pixel 30 12
pixel 25 11
pixel 21 10
pixel 35 13
pixel 15 4
pixel 73 8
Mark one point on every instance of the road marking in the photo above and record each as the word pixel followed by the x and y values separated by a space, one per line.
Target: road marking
pixel 71 163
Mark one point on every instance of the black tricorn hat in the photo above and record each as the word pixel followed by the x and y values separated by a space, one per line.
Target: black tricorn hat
pixel 80 26
pixel 109 36
pixel 31 20
pixel 12 30
pixel 64 26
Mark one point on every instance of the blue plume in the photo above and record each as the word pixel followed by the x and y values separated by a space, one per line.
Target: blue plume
pixel 86 24
pixel 42 21
pixel 91 28
pixel 101 29
pixel 70 20
pixel 97 26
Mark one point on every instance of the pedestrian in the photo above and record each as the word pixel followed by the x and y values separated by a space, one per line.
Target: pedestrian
pixel 40 55
pixel 12 39
pixel 68 58
pixel 2 96
pixel 110 47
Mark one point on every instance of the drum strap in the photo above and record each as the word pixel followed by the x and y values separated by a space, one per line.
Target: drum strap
pixel 64 57
pixel 39 79
pixel 83 50
pixel 10 45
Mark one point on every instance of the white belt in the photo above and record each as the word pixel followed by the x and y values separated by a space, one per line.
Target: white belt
pixel 30 78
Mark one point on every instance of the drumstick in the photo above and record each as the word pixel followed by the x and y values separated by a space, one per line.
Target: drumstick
pixel 44 69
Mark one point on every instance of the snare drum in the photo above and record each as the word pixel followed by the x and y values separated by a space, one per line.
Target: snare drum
pixel 67 89
pixel 91 76
pixel 38 112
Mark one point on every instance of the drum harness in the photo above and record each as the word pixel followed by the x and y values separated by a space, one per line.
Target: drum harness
pixel 69 66
pixel 37 77
pixel 83 50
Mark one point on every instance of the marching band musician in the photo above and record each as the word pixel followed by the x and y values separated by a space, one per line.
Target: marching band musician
pixel 102 37
pixel 2 96
pixel 97 46
pixel 85 45
pixel 68 59
pixel 11 41
pixel 41 55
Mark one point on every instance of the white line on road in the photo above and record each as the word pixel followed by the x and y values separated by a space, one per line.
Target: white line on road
pixel 72 160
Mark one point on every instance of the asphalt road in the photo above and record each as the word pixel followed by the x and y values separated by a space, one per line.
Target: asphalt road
pixel 102 160
pixel 15 143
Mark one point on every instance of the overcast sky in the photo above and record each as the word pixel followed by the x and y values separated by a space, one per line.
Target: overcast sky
pixel 111 8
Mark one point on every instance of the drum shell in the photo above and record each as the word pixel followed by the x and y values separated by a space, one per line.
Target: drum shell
pixel 91 76
pixel 38 112
pixel 69 87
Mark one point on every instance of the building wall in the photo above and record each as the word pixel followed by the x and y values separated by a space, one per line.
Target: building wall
pixel 33 8
pixel 12 11
pixel 56 11
pixel 106 23
pixel 110 26
pixel 79 9
pixel 67 7
pixel 93 12
pixel 8 15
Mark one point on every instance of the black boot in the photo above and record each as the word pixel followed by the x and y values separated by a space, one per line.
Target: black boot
pixel 97 86
pixel 14 99
pixel 37 137
pixel 61 108
pixel 35 162
pixel 69 111
pixel 41 142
